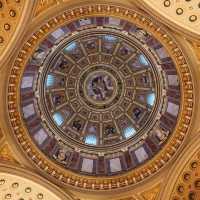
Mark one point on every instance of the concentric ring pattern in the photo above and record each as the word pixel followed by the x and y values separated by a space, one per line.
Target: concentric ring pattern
pixel 100 97
pixel 89 86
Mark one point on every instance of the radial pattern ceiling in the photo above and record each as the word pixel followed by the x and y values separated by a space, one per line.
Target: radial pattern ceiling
pixel 100 96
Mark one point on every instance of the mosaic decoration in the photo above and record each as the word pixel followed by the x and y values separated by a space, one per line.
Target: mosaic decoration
pixel 101 96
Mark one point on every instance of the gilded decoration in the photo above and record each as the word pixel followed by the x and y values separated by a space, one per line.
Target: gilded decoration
pixel 196 47
pixel 10 15
pixel 101 90
pixel 42 5
pixel 152 194
pixel 128 178
pixel 1 134
pixel 6 154
pixel 187 185
pixel 17 184
pixel 181 15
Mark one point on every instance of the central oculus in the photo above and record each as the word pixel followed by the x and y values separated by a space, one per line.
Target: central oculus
pixel 100 87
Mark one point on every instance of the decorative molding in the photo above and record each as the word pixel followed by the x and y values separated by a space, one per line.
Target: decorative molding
pixel 188 183
pixel 6 154
pixel 1 134
pixel 182 16
pixel 15 15
pixel 128 198
pixel 183 174
pixel 11 13
pixel 19 183
pixel 196 47
pixel 43 5
pixel 100 183
pixel 152 194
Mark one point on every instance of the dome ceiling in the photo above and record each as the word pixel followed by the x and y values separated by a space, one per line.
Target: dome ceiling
pixel 17 183
pixel 18 188
pixel 100 96
pixel 89 91
pixel 11 22
pixel 183 15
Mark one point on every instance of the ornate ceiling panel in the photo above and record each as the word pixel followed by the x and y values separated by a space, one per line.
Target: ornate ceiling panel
pixel 10 14
pixel 152 193
pixel 188 184
pixel 181 14
pixel 99 102
pixel 42 5
pixel 100 96
pixel 184 179
pixel 15 185
pixel 6 154
pixel 12 18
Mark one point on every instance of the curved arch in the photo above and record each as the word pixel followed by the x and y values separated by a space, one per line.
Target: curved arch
pixel 178 167
pixel 28 178
pixel 172 20
pixel 18 32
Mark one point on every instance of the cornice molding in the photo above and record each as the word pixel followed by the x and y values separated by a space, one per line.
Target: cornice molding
pixel 155 164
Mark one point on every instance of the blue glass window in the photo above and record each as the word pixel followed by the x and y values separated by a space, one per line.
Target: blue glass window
pixel 110 38
pixel 50 80
pixel 58 118
pixel 91 139
pixel 143 60
pixel 151 99
pixel 70 47
pixel 129 131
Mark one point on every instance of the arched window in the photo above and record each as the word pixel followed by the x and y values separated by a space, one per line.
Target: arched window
pixel 129 131
pixel 70 47
pixel 91 139
pixel 143 60
pixel 50 80
pixel 151 99
pixel 58 118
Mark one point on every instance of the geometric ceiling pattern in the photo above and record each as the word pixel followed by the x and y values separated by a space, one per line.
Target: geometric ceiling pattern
pixel 100 86
pixel 98 93
pixel 100 99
